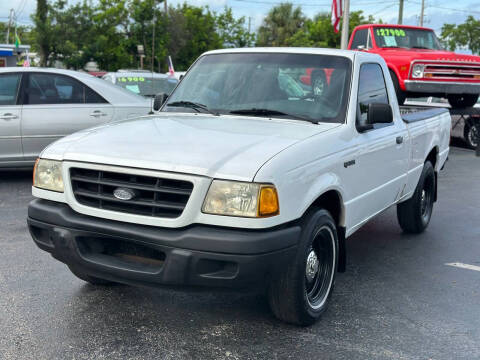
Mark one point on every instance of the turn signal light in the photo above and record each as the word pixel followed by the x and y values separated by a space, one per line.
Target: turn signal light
pixel 268 202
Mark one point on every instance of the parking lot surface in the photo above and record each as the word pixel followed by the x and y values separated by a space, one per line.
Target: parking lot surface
pixel 397 300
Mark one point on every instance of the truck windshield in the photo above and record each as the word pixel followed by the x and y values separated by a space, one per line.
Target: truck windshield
pixel 274 85
pixel 398 37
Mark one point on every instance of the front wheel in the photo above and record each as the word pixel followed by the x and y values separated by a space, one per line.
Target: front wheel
pixel 462 100
pixel 302 292
pixel 472 134
pixel 414 214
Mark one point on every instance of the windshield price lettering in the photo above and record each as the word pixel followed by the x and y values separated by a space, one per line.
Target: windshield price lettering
pixel 390 32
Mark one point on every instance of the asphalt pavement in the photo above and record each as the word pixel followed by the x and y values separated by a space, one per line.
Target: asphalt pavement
pixel 397 300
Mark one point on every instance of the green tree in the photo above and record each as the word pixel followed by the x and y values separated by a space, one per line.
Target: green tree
pixel 281 23
pixel 232 31
pixel 464 35
pixel 42 31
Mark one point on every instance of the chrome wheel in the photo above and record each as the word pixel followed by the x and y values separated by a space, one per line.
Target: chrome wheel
pixel 473 135
pixel 319 269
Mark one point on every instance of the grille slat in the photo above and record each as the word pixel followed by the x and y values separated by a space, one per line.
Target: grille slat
pixel 133 185
pixel 158 197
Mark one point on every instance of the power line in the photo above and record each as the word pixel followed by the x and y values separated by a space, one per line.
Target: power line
pixel 445 8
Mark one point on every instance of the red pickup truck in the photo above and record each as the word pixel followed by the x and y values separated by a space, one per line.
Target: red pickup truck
pixel 418 64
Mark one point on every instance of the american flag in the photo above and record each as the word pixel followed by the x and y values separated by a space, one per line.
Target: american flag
pixel 336 14
pixel 171 70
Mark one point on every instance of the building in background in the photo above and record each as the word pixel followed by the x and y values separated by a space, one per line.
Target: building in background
pixel 9 54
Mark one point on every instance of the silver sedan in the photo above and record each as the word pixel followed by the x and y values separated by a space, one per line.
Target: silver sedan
pixel 41 105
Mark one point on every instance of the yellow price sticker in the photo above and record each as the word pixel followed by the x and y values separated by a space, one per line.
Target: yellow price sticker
pixel 390 32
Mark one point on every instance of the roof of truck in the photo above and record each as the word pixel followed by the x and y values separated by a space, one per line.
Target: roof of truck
pixel 393 26
pixel 287 50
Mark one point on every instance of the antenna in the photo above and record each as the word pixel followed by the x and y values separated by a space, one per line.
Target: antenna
pixel 153 57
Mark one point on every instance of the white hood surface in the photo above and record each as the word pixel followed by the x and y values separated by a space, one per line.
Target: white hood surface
pixel 230 147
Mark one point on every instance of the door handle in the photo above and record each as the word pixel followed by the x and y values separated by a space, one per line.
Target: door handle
pixel 8 116
pixel 97 113
pixel 399 139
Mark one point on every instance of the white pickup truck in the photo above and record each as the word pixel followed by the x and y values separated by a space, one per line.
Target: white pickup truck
pixel 246 176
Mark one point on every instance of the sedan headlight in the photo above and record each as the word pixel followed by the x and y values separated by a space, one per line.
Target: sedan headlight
pixel 47 174
pixel 241 199
pixel 417 71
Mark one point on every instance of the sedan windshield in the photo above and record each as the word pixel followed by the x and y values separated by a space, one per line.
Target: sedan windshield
pixel 145 86
pixel 405 38
pixel 295 86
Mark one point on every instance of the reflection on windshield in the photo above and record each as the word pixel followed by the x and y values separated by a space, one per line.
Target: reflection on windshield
pixel 297 86
pixel 143 86
pixel 405 38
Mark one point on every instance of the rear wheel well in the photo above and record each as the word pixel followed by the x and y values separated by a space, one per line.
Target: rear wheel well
pixel 432 156
pixel 332 202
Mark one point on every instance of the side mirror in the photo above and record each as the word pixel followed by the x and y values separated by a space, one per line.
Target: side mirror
pixel 377 114
pixel 159 100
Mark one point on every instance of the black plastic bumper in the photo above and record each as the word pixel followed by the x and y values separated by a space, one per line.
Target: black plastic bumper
pixel 147 255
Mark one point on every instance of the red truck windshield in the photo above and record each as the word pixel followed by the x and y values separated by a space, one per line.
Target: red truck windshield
pixel 397 37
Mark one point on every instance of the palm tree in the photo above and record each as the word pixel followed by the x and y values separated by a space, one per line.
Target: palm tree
pixel 281 23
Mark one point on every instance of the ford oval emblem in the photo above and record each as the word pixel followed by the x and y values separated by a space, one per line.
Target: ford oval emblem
pixel 124 194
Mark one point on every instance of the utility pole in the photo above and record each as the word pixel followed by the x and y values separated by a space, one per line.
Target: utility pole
pixel 9 24
pixel 400 12
pixel 166 7
pixel 422 11
pixel 249 23
pixel 345 20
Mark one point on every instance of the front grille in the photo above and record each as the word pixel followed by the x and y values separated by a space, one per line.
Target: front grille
pixel 452 71
pixel 158 197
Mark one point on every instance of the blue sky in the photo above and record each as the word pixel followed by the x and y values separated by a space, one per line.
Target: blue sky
pixel 437 12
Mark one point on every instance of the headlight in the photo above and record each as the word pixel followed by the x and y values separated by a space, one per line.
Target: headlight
pixel 417 71
pixel 47 174
pixel 241 199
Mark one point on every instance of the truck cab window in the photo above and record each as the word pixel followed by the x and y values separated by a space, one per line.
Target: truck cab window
pixel 360 39
pixel 371 89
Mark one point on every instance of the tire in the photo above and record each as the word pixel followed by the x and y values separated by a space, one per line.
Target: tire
pixel 302 292
pixel 401 95
pixel 462 100
pixel 471 134
pixel 90 279
pixel 414 214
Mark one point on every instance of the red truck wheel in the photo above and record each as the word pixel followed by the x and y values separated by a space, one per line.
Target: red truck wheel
pixel 401 95
pixel 462 100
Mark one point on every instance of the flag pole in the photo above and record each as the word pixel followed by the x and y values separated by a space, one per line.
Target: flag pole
pixel 345 20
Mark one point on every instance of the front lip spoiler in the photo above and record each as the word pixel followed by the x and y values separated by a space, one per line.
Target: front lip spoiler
pixel 442 87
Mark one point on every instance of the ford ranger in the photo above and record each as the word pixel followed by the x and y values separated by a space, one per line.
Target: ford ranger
pixel 242 178
pixel 418 64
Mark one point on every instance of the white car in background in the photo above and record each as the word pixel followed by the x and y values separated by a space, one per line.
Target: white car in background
pixel 41 105
pixel 142 82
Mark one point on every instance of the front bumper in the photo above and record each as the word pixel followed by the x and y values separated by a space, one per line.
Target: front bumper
pixel 441 87
pixel 146 255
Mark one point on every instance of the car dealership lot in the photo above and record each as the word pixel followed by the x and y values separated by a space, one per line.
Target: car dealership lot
pixel 397 300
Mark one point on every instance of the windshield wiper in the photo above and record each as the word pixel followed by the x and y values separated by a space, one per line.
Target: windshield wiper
pixel 267 112
pixel 192 105
pixel 421 47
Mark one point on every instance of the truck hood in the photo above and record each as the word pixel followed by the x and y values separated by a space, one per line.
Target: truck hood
pixel 423 54
pixel 230 147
